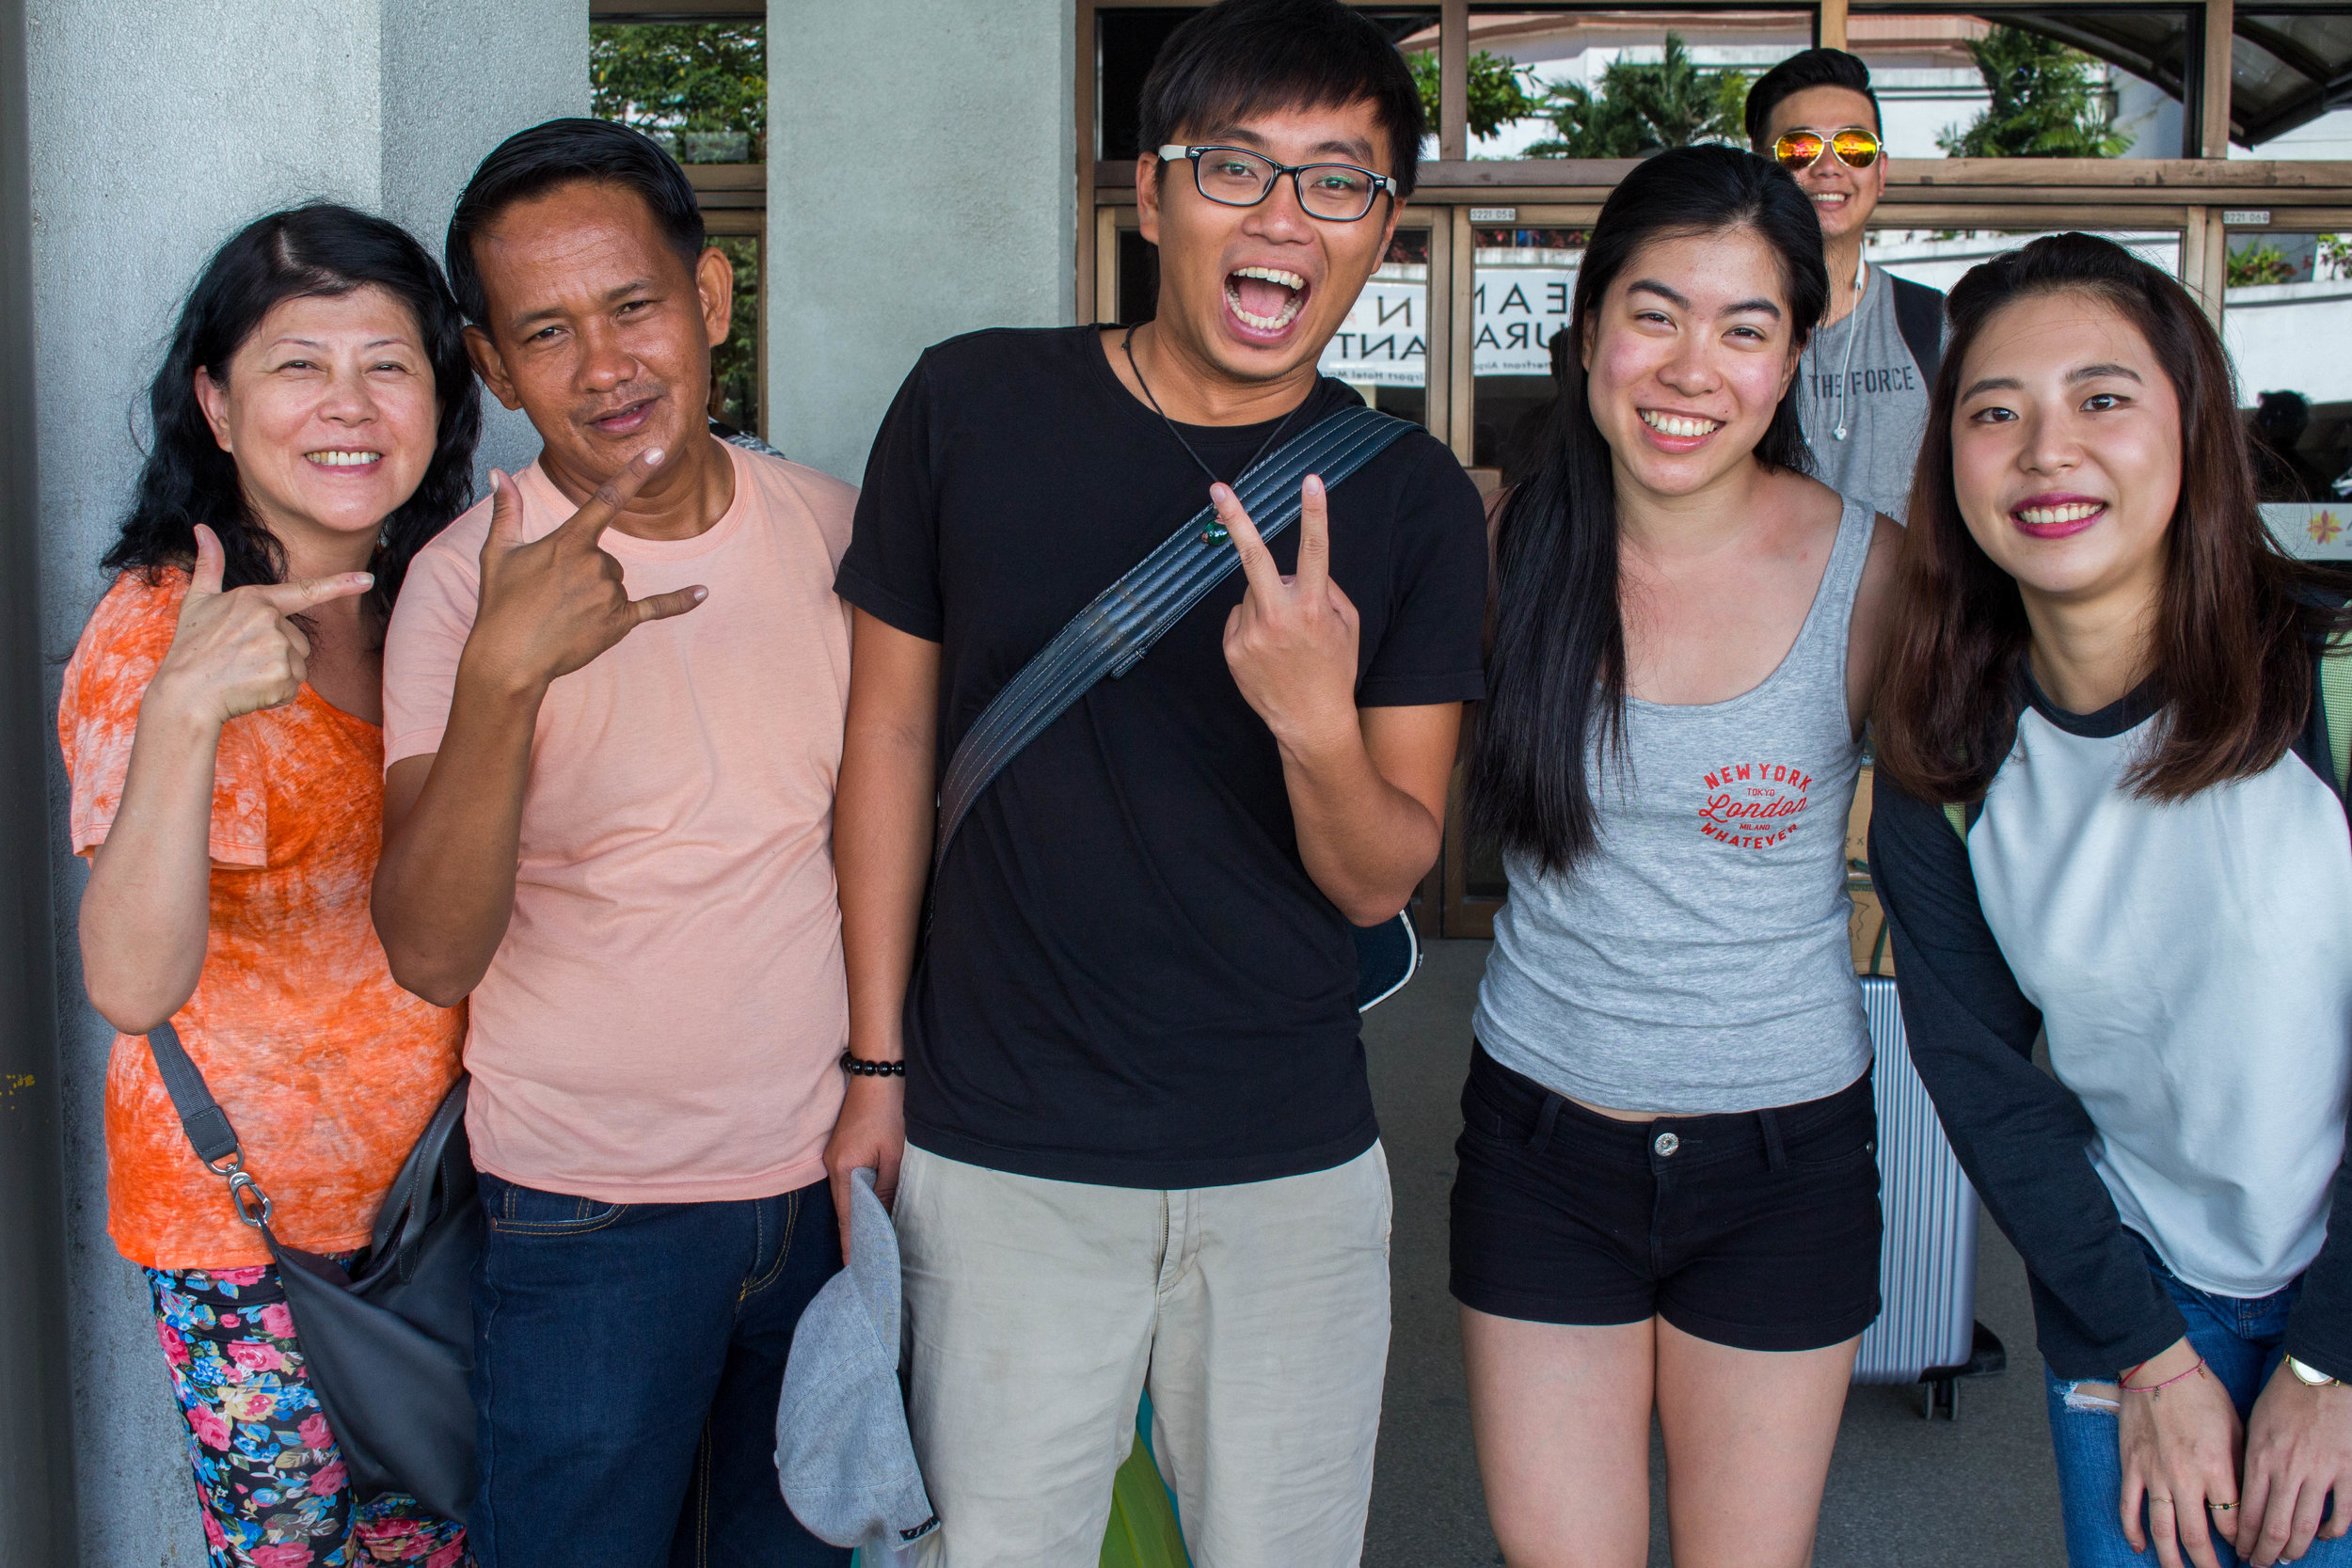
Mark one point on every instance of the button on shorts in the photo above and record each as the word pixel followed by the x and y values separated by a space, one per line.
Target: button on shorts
pixel 1758 1229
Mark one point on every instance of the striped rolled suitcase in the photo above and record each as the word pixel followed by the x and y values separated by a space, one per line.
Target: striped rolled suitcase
pixel 1927 1332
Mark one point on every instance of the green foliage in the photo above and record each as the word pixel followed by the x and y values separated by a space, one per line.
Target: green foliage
pixel 2049 101
pixel 1646 107
pixel 2335 250
pixel 1498 91
pixel 672 77
pixel 2259 262
pixel 734 364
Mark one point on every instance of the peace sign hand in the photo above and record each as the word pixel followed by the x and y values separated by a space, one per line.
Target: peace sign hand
pixel 233 652
pixel 551 605
pixel 1291 642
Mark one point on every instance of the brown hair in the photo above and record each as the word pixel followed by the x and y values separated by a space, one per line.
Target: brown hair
pixel 2231 654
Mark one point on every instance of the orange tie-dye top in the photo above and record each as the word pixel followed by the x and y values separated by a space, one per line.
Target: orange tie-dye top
pixel 328 1071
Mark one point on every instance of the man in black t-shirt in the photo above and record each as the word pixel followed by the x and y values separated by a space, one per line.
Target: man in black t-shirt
pixel 1138 1142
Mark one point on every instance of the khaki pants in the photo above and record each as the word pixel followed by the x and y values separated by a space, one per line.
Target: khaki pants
pixel 1038 1312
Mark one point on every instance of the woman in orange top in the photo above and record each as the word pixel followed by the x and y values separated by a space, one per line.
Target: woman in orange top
pixel 314 425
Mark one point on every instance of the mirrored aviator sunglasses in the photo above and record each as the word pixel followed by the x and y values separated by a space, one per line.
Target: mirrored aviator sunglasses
pixel 1855 149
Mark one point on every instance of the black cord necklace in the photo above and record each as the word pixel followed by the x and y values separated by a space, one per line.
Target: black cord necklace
pixel 1214 533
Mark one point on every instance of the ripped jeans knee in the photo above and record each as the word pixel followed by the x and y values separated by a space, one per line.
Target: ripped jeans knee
pixel 2090 1398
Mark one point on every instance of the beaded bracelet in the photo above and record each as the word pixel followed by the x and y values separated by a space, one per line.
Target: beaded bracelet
pixel 2152 1389
pixel 858 1067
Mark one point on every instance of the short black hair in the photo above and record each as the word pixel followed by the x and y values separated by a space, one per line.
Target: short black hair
pixel 1240 58
pixel 1815 68
pixel 531 163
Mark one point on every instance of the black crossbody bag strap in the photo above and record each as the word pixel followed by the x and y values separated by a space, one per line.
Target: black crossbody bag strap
pixel 206 1124
pixel 1109 635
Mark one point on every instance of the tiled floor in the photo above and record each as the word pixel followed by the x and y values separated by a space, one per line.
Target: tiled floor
pixel 1902 1490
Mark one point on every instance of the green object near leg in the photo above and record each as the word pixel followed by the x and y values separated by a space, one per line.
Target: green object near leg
pixel 1142 1532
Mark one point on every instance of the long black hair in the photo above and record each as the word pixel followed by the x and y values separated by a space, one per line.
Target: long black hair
pixel 1557 670
pixel 319 249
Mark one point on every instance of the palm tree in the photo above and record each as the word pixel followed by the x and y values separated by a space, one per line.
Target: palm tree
pixel 1645 108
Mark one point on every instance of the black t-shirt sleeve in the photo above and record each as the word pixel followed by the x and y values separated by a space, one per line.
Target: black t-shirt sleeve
pixel 2022 1135
pixel 1431 651
pixel 891 568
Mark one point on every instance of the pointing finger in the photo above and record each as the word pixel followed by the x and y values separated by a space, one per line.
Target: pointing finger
pixel 1256 562
pixel 660 607
pixel 293 598
pixel 587 525
pixel 1314 536
pixel 205 578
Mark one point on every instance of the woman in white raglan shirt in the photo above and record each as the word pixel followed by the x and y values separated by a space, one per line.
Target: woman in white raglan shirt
pixel 2105 809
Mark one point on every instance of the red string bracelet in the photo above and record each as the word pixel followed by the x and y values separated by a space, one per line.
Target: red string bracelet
pixel 2154 1389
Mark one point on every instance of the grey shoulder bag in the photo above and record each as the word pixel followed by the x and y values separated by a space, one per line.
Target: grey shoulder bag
pixel 390 1341
pixel 1110 635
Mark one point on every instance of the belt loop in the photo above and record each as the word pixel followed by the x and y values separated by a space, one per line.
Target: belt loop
pixel 1546 1120
pixel 1775 1157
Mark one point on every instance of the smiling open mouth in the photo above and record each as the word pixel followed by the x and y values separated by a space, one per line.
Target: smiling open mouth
pixel 344 459
pixel 2057 516
pixel 625 421
pixel 2054 516
pixel 1678 424
pixel 1265 299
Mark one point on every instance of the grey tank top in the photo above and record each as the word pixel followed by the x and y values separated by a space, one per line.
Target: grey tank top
pixel 1696 959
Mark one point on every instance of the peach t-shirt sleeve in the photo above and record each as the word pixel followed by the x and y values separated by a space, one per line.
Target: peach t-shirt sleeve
pixel 427 637
pixel 98 718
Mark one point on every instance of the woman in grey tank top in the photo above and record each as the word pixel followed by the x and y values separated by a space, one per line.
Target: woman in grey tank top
pixel 1668 1191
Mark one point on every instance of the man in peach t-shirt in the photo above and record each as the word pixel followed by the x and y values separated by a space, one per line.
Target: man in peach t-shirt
pixel 613 702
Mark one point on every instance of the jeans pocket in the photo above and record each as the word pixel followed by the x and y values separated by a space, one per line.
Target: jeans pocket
pixel 1844 1140
pixel 514 1210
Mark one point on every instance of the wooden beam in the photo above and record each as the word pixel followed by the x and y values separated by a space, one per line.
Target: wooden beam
pixel 2205 258
pixel 2137 181
pixel 1454 80
pixel 1087 304
pixel 1460 388
pixel 1437 320
pixel 1830 29
pixel 2213 111
pixel 677 10
pixel 1102 286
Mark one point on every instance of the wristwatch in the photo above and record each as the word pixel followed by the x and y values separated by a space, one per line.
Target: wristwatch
pixel 2310 1376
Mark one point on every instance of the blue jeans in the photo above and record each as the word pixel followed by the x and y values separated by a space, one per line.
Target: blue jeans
pixel 627 1360
pixel 2242 1344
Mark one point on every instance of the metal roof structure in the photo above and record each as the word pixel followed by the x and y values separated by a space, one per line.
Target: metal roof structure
pixel 2288 65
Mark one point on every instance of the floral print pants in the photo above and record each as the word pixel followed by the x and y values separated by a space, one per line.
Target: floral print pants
pixel 271 1485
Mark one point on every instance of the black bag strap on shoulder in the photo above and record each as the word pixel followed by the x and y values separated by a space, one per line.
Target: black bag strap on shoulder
pixel 1109 635
pixel 1919 317
pixel 206 1124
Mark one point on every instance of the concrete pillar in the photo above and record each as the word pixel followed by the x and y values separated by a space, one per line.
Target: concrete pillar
pixel 37 1431
pixel 921 184
pixel 159 126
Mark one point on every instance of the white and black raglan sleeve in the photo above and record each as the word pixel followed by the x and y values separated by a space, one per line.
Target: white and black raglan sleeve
pixel 2319 1326
pixel 2023 1137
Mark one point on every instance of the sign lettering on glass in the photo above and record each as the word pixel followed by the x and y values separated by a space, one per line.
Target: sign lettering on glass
pixel 1514 313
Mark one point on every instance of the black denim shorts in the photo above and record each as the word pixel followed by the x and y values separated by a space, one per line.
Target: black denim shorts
pixel 1758 1230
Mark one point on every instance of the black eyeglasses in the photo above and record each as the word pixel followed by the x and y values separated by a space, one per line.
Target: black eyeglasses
pixel 1236 177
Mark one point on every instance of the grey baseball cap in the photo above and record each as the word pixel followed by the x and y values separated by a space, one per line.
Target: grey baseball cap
pixel 843 1453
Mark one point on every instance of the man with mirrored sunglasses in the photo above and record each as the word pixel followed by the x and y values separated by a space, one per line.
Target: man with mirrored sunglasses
pixel 1863 389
